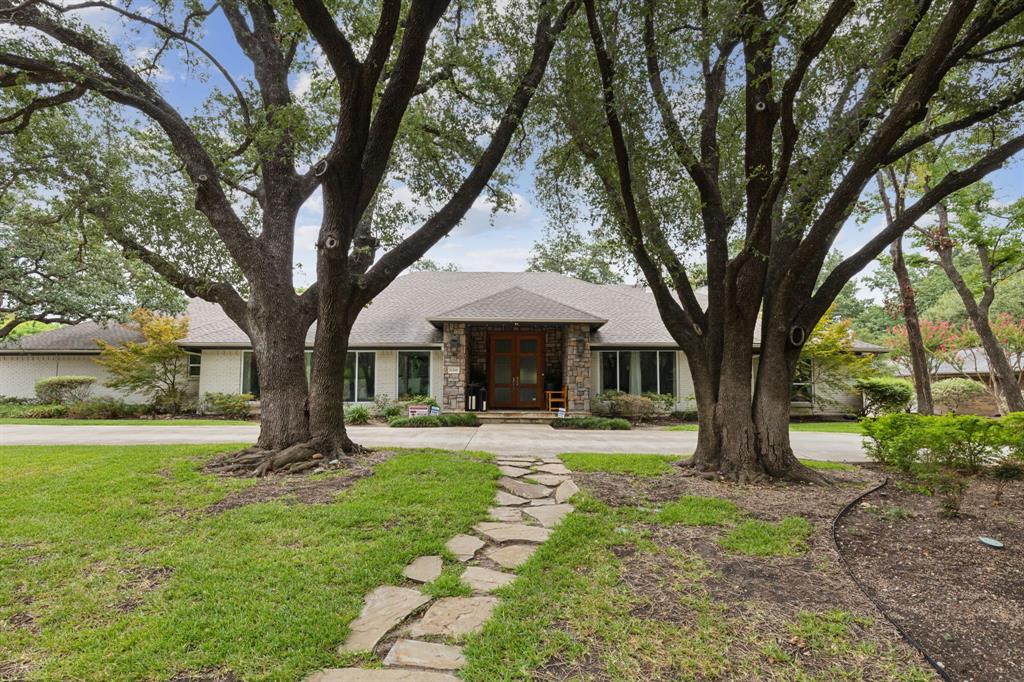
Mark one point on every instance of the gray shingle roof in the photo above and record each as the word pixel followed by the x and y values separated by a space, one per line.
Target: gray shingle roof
pixel 401 315
pixel 974 362
pixel 74 338
pixel 516 304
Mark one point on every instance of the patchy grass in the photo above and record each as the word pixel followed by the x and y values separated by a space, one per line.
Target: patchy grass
pixel 10 421
pixel 814 427
pixel 448 584
pixel 114 557
pixel 827 427
pixel 827 466
pixel 638 465
pixel 601 600
pixel 694 510
pixel 761 538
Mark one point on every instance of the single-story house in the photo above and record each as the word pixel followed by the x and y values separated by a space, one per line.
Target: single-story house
pixel 972 363
pixel 446 334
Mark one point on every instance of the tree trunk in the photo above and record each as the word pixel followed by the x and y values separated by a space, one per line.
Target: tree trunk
pixel 918 357
pixel 773 409
pixel 998 363
pixel 327 380
pixel 337 296
pixel 278 345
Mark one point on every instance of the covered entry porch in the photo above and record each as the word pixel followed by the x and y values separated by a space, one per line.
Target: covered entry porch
pixel 512 348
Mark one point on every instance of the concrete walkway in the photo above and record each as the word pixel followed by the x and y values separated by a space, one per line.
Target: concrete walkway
pixel 495 438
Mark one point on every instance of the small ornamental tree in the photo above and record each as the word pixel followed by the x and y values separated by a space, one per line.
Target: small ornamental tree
pixel 885 395
pixel 832 360
pixel 955 392
pixel 155 367
pixel 943 341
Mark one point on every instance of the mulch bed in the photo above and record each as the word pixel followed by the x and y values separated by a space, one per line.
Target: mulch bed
pixel 762 594
pixel 303 488
pixel 963 601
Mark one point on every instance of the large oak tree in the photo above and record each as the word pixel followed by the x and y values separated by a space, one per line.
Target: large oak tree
pixel 423 94
pixel 746 135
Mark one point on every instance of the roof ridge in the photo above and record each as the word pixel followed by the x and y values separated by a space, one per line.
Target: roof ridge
pixel 515 288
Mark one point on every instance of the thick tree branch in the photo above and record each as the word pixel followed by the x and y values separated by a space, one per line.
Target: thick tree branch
pixel 949 184
pixel 415 245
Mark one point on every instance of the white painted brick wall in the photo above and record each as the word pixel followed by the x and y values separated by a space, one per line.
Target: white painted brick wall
pixel 220 371
pixel 19 374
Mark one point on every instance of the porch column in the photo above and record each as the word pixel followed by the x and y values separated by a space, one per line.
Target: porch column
pixel 455 366
pixel 577 367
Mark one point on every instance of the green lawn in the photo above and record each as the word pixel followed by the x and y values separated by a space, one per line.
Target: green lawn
pixel 113 567
pixel 652 465
pixel 816 427
pixel 602 600
pixel 127 422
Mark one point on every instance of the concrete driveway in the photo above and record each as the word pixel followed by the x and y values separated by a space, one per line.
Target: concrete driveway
pixel 496 438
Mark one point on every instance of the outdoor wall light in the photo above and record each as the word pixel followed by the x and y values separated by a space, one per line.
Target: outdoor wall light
pixel 454 343
pixel 581 344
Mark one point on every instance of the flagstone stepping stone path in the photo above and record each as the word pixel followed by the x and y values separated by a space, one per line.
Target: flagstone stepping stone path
pixel 424 569
pixel 417 643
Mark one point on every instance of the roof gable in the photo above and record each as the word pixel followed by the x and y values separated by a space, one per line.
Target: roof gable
pixel 515 304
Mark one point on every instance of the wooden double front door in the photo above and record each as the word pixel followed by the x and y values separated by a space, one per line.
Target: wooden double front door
pixel 515 370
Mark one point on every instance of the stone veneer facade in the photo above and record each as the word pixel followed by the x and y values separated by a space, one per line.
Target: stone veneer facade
pixel 577 367
pixel 454 393
pixel 562 358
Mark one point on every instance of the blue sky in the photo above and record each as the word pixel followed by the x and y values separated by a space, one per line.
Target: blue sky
pixel 482 241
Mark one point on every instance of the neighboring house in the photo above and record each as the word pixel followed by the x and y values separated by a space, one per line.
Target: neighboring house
pixel 972 363
pixel 443 334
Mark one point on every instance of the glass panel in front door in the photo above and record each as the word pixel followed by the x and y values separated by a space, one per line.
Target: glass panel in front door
pixel 503 369
pixel 527 369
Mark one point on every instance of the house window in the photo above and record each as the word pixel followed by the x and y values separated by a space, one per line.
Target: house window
pixel 802 388
pixel 359 373
pixel 195 361
pixel 638 371
pixel 250 378
pixel 413 373
pixel 359 370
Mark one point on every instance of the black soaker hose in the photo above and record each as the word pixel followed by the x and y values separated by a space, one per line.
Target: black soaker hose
pixel 849 571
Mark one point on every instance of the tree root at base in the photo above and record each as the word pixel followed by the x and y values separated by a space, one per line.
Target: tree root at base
pixel 300 458
pixel 720 472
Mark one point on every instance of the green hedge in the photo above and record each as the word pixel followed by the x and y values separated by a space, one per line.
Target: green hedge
pixel 232 405
pixel 64 390
pixel 104 408
pixel 886 395
pixel 591 423
pixel 454 419
pixel 965 442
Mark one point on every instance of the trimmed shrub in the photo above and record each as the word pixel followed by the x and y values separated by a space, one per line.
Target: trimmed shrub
pixel 893 439
pixel 966 442
pixel 904 440
pixel 104 408
pixel 232 405
pixel 953 393
pixel 44 412
pixel 663 402
pixel 886 395
pixel 635 408
pixel 1013 434
pixel 454 419
pixel 591 423
pixel 357 414
pixel 64 390
pixel 11 400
